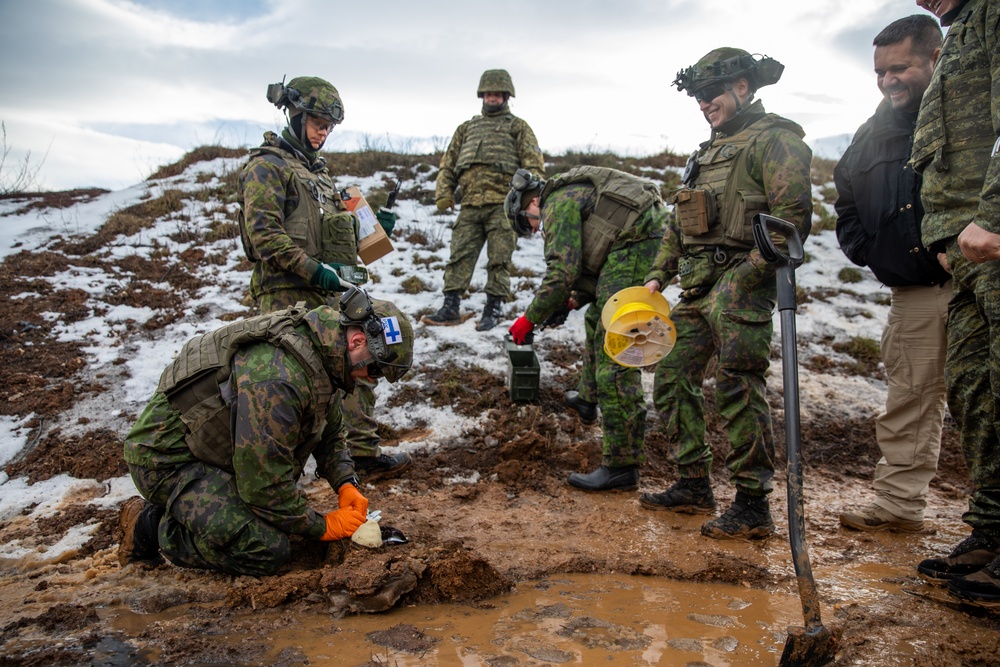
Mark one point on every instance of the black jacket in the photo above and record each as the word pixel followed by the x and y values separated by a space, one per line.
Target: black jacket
pixel 878 203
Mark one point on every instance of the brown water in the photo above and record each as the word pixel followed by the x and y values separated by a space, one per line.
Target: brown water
pixel 571 619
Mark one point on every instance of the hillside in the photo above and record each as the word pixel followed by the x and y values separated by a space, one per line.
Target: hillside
pixel 506 564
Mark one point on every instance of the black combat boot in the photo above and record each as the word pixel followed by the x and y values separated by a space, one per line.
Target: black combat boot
pixel 491 313
pixel 971 555
pixel 748 517
pixel 586 409
pixel 139 520
pixel 447 315
pixel 623 478
pixel 688 495
pixel 383 466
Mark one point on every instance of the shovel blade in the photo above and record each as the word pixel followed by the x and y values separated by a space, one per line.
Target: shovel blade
pixel 809 647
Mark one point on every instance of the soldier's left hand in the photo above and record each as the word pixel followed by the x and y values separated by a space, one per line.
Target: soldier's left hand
pixel 387 220
pixel 979 245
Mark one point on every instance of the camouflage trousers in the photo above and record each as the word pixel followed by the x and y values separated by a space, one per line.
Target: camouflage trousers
pixel 731 323
pixel 616 389
pixel 358 407
pixel 476 226
pixel 972 380
pixel 206 525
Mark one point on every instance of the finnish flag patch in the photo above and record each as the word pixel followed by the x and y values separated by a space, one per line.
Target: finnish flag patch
pixel 390 329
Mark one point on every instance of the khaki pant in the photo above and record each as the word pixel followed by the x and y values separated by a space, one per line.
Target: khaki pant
pixel 914 344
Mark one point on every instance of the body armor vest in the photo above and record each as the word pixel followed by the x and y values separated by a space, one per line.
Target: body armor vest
pixel 718 207
pixel 489 140
pixel 620 201
pixel 192 382
pixel 320 224
pixel 954 136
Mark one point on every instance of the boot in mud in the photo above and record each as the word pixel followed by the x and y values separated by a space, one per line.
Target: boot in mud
pixel 689 495
pixel 749 517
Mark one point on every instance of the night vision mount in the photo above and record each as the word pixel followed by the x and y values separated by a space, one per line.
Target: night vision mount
pixel 760 70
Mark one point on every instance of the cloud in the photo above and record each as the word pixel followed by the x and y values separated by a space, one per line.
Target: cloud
pixel 145 74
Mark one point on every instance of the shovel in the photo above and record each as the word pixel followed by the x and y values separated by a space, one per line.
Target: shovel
pixel 813 644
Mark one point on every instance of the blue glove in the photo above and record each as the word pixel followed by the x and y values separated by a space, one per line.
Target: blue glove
pixel 387 219
pixel 325 277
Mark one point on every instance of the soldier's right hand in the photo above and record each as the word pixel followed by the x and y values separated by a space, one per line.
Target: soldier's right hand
pixel 342 524
pixel 349 496
pixel 445 204
pixel 325 277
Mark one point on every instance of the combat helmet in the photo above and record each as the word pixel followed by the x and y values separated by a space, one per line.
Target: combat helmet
pixel 726 64
pixel 388 330
pixel 524 186
pixel 309 94
pixel 496 80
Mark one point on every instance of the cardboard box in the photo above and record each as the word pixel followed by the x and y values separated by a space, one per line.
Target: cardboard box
pixel 372 241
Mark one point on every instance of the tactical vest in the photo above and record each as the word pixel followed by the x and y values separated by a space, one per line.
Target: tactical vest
pixel 718 208
pixel 320 224
pixel 192 382
pixel 620 201
pixel 954 138
pixel 489 140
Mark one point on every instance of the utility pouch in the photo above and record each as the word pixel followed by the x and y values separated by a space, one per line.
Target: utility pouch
pixel 696 270
pixel 695 211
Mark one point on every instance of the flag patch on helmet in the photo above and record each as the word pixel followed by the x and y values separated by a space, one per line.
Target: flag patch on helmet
pixel 390 329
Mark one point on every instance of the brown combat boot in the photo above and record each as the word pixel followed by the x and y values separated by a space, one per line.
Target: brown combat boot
pixel 138 521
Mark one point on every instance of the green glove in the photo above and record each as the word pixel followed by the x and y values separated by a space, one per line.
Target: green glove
pixel 387 219
pixel 325 277
pixel 444 204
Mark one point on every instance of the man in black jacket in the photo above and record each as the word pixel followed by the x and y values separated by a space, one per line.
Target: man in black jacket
pixel 878 225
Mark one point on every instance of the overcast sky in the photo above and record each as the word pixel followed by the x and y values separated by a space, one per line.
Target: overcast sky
pixel 106 91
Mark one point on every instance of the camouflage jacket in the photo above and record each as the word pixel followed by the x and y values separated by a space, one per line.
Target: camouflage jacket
pixel 956 142
pixel 272 400
pixel 778 162
pixel 564 216
pixel 285 233
pixel 483 155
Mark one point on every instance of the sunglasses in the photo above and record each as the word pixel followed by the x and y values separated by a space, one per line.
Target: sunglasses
pixel 709 92
pixel 321 125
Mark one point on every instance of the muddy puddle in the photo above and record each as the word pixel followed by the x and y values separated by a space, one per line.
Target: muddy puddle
pixel 568 619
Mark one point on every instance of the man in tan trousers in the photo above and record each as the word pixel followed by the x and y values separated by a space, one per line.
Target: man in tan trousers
pixel 878 225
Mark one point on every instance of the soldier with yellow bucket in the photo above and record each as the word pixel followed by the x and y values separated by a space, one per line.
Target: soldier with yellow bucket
pixel 602 230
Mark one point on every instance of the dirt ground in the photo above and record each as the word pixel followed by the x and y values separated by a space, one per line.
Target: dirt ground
pixel 511 522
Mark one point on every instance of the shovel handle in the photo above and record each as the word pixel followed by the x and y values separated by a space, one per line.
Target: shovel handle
pixel 763 225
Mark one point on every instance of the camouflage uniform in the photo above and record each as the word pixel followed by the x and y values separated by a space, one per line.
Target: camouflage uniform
pixel 618 389
pixel 234 511
pixel 758 164
pixel 483 155
pixel 284 186
pixel 954 147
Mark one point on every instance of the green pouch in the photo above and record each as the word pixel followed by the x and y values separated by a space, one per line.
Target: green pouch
pixel 696 270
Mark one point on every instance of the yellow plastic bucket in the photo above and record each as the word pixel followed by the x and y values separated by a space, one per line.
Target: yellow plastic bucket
pixel 638 329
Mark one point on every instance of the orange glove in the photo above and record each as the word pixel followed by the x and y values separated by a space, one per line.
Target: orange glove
pixel 348 496
pixel 342 523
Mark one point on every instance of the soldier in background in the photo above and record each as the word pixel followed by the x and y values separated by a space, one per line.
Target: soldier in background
pixel 219 448
pixel 482 157
pixel 296 230
pixel 602 229
pixel 754 162
pixel 878 225
pixel 956 147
